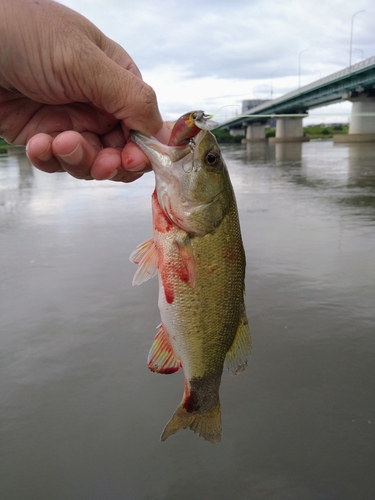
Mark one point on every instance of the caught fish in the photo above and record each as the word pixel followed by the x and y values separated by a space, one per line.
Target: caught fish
pixel 188 126
pixel 198 254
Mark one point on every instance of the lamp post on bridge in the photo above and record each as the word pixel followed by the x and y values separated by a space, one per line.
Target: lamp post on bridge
pixel 351 35
pixel 299 67
pixel 361 51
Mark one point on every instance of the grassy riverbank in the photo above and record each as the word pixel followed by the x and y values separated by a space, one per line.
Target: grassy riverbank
pixel 312 131
pixel 3 146
pixel 325 132
pixel 6 148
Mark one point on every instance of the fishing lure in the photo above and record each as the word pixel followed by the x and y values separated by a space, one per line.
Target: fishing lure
pixel 188 126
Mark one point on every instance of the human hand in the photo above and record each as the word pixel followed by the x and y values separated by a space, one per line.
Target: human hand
pixel 72 94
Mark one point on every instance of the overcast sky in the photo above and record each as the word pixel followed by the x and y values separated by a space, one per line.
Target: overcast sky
pixel 211 53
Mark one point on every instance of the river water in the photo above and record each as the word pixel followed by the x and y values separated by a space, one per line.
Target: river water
pixel 81 415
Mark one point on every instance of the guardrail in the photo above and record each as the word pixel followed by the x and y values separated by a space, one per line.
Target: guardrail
pixel 355 68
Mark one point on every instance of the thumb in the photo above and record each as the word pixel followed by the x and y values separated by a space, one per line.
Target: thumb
pixel 121 93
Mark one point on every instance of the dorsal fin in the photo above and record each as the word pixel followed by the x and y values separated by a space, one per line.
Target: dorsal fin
pixel 146 256
pixel 161 358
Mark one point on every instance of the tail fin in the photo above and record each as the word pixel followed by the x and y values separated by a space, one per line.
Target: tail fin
pixel 205 424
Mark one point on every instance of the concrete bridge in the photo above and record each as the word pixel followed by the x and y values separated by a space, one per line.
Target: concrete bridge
pixel 355 83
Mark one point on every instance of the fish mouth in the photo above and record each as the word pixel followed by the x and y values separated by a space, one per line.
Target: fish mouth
pixel 157 151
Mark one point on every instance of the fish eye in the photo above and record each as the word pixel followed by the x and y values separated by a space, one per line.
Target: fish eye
pixel 212 159
pixel 197 115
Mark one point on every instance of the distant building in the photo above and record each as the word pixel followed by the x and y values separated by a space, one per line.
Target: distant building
pixel 251 103
pixel 247 105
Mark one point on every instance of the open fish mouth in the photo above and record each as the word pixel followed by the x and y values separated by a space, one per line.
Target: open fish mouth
pixel 155 149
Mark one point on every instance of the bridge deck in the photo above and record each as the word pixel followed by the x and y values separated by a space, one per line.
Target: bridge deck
pixel 348 82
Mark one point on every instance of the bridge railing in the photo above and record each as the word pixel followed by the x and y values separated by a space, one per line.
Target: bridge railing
pixel 317 83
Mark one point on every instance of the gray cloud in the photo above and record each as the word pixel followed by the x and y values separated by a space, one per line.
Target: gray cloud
pixel 239 40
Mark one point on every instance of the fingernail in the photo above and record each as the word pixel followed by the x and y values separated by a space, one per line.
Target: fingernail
pixel 113 174
pixel 45 156
pixel 138 168
pixel 74 157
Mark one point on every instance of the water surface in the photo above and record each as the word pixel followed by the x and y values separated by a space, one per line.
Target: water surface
pixel 80 414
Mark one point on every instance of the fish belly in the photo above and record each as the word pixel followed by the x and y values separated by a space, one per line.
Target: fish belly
pixel 202 320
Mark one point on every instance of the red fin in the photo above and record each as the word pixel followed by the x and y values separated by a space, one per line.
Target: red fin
pixel 146 256
pixel 188 259
pixel 161 358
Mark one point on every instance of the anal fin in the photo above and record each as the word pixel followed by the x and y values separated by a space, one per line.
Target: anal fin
pixel 161 358
pixel 240 350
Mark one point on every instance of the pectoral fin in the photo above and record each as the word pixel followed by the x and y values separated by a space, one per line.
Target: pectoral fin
pixel 161 358
pixel 146 256
pixel 240 350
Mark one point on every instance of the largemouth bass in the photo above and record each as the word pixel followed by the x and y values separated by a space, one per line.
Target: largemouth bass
pixel 198 254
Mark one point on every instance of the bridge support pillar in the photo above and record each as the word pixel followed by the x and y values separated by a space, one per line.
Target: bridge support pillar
pixel 362 121
pixel 288 130
pixel 256 132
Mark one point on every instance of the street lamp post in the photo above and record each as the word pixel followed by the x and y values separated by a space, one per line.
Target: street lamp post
pixel 299 67
pixel 361 51
pixel 351 36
